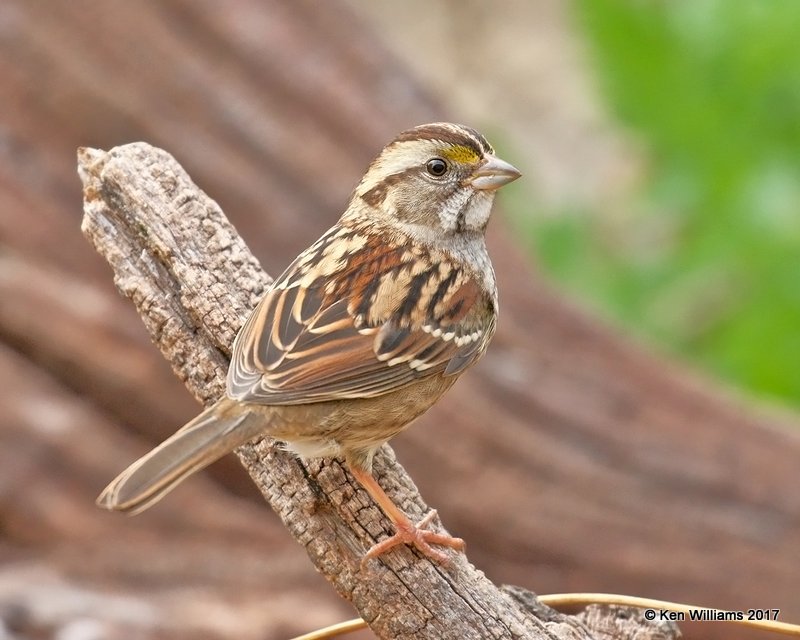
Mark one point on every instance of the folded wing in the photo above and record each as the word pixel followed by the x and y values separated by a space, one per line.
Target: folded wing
pixel 353 317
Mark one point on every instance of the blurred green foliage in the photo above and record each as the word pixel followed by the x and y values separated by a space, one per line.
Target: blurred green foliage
pixel 706 259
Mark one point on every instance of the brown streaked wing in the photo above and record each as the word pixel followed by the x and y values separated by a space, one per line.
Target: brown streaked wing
pixel 313 343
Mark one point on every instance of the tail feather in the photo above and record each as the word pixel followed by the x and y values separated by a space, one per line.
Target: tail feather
pixel 216 431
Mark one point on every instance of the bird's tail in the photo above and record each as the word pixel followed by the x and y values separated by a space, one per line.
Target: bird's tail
pixel 216 431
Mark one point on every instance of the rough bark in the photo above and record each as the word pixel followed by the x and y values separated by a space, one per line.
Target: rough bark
pixel 193 280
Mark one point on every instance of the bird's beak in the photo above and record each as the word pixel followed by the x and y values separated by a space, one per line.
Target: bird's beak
pixel 493 174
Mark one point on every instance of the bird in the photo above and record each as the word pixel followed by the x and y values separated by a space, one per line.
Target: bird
pixel 363 332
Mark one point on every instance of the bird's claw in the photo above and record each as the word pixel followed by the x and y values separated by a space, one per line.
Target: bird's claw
pixel 418 536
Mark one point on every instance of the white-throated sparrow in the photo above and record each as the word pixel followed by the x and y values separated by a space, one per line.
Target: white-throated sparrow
pixel 363 332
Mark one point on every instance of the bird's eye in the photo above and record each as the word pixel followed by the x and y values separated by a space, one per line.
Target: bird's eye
pixel 436 167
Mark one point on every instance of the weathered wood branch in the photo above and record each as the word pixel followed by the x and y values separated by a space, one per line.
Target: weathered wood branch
pixel 193 280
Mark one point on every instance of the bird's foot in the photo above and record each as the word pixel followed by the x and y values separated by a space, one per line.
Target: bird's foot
pixel 416 535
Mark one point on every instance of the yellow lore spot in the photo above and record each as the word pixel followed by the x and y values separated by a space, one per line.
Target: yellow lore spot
pixel 461 154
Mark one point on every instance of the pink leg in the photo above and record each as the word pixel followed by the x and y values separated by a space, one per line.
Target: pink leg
pixel 406 531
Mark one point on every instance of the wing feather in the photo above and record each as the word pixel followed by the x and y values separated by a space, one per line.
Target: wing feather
pixel 359 322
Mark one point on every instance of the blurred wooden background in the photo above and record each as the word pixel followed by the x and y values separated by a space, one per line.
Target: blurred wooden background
pixel 569 459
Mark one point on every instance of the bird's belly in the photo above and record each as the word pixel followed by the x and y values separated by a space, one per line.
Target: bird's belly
pixel 352 427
